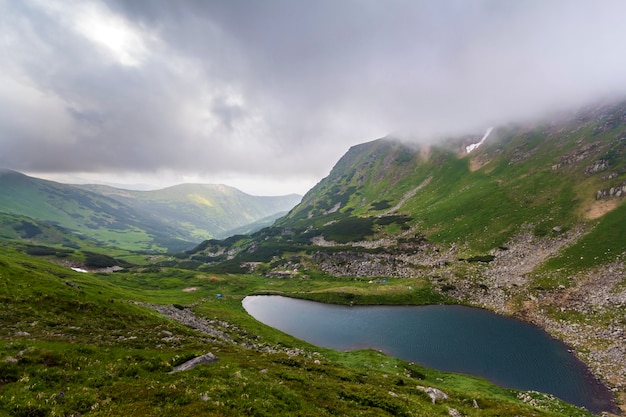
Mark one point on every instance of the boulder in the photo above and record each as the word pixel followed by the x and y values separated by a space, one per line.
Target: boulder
pixel 433 393
pixel 192 363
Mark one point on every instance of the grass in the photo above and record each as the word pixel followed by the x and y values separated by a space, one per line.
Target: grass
pixel 379 292
pixel 600 246
pixel 86 350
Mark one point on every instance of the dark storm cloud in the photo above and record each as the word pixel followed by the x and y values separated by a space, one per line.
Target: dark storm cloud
pixel 283 88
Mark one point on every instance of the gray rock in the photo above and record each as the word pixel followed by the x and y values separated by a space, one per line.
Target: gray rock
pixel 192 363
pixel 597 166
pixel 433 393
pixel 71 284
pixel 618 191
pixel 454 412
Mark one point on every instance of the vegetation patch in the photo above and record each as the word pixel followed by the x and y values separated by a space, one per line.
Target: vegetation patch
pixel 350 229
pixel 479 258
pixel 98 260
pixel 381 205
pixel 603 244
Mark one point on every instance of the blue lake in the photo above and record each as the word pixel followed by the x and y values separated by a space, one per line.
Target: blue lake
pixel 506 351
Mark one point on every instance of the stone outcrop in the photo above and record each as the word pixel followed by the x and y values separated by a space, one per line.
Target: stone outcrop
pixel 187 317
pixel 613 192
pixel 220 331
pixel 598 166
pixel 433 393
pixel 192 363
pixel 574 157
pixel 363 265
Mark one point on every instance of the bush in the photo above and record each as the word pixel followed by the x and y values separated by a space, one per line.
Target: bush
pixel 9 372
pixel 370 399
pixel 27 230
pixel 98 260
pixel 380 205
pixel 350 229
pixel 41 251
pixel 481 258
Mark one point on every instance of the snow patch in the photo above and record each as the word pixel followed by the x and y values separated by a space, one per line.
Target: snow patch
pixel 79 269
pixel 470 148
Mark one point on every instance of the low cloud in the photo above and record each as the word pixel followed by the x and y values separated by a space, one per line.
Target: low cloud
pixel 281 89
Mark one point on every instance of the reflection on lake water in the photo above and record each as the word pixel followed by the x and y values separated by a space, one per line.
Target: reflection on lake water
pixel 506 351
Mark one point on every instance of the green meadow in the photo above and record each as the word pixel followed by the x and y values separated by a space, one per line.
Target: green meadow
pixel 75 344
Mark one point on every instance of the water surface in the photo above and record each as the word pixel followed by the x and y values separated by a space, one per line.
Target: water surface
pixel 506 351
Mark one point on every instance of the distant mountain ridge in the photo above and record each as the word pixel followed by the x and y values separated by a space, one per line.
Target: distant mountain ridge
pixel 202 211
pixel 170 219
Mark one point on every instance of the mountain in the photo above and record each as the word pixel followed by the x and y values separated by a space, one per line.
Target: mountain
pixel 85 213
pixel 169 219
pixel 19 228
pixel 547 178
pixel 203 211
pixel 525 219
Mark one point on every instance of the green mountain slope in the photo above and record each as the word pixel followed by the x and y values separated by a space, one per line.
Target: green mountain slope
pixel 202 211
pixel 24 229
pixel 543 176
pixel 548 178
pixel 530 223
pixel 86 213
pixel 170 219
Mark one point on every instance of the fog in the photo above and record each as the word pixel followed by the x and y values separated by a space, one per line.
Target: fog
pixel 267 96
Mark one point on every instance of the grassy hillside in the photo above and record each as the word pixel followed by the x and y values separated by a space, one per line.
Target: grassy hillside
pixel 549 178
pixel 545 175
pixel 85 213
pixel 25 229
pixel 78 344
pixel 172 219
pixel 203 211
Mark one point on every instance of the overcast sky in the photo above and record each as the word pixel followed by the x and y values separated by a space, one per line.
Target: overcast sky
pixel 267 95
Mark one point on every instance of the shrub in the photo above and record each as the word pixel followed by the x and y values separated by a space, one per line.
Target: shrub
pixel 9 372
pixel 27 230
pixel 350 229
pixel 41 251
pixel 381 205
pixel 481 258
pixel 98 260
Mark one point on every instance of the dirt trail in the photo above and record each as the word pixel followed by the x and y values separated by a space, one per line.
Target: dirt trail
pixel 406 197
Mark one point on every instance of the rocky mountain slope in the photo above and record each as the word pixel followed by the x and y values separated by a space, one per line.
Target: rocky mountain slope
pixel 526 219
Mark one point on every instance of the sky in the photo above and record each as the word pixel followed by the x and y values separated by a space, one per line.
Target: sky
pixel 267 95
